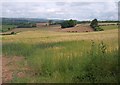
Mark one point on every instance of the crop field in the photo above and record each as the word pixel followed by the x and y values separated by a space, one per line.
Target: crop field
pixel 46 56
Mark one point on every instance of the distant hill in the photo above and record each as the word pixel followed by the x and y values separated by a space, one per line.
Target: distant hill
pixel 21 20
pixel 17 21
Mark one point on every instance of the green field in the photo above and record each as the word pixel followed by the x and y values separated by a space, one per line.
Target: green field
pixel 59 57
pixel 5 28
pixel 109 27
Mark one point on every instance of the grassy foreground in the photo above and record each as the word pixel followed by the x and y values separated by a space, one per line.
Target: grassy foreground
pixel 56 57
pixel 74 61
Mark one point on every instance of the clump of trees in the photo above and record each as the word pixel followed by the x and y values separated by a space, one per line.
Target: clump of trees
pixel 95 26
pixel 68 23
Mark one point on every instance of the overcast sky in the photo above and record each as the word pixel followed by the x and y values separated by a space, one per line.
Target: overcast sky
pixel 79 10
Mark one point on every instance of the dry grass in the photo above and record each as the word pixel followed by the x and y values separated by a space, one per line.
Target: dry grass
pixel 49 36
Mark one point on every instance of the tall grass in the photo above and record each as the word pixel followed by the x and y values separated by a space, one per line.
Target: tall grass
pixel 68 62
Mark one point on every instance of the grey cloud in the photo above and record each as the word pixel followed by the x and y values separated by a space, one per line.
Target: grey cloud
pixel 60 3
pixel 80 3
pixel 63 10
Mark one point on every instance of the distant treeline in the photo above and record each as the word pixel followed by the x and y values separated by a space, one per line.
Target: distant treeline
pixel 6 21
pixel 17 21
pixel 109 21
pixel 26 25
pixel 31 22
pixel 79 22
pixel 20 23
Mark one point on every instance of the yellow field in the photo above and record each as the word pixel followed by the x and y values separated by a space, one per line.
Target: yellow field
pixel 38 36
pixel 49 36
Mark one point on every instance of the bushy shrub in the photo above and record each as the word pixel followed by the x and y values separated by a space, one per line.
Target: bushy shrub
pixel 12 32
pixel 98 28
pixel 8 28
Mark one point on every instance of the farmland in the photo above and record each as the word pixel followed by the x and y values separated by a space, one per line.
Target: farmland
pixel 5 28
pixel 59 42
pixel 49 56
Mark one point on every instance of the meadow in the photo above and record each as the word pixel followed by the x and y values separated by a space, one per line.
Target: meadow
pixel 59 57
pixel 109 27
pixel 5 28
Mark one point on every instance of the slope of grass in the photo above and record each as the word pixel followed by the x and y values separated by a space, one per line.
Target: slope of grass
pixel 56 57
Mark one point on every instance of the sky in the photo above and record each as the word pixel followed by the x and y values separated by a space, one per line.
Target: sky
pixel 55 9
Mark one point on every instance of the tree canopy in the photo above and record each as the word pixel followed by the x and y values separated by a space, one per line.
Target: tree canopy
pixel 68 23
pixel 95 26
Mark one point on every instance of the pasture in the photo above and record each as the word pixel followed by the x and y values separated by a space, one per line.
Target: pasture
pixel 47 56
pixel 109 27
pixel 5 28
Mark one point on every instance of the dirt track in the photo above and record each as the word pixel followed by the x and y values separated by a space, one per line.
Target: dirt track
pixel 11 68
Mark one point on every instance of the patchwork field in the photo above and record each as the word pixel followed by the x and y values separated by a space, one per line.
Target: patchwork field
pixel 47 56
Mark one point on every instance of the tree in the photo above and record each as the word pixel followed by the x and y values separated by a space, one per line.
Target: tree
pixel 65 24
pixel 94 23
pixel 68 23
pixel 95 26
pixel 72 23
